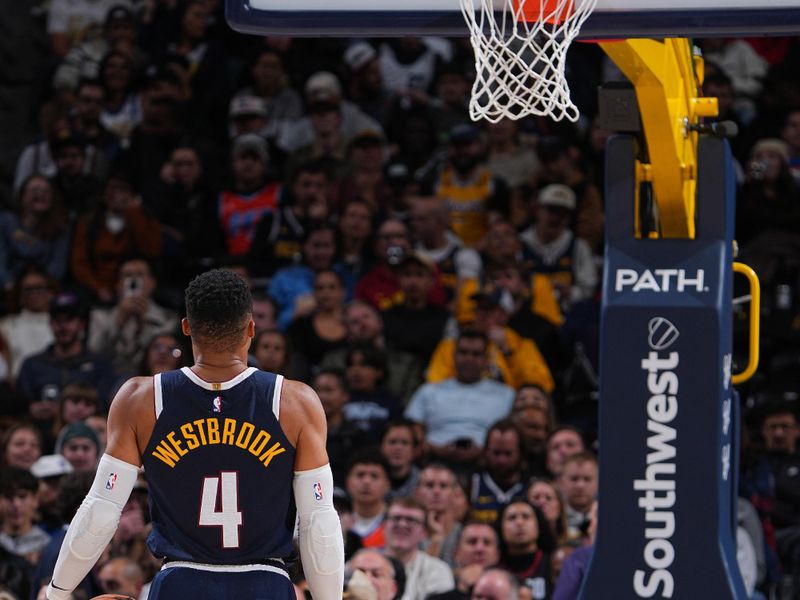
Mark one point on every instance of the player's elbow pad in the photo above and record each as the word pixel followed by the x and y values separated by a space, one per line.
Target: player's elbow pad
pixel 321 543
pixel 93 525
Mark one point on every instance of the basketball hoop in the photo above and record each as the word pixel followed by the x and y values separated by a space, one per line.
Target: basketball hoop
pixel 520 56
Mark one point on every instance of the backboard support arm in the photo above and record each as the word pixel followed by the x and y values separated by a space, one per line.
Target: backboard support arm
pixel 667 77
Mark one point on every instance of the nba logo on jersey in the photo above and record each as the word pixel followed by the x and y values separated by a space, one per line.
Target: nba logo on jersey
pixel 112 480
pixel 318 491
pixel 217 404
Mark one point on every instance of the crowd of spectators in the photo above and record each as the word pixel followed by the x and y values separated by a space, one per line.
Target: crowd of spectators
pixel 436 281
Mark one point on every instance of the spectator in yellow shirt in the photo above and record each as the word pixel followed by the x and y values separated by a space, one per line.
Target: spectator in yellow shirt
pixel 513 359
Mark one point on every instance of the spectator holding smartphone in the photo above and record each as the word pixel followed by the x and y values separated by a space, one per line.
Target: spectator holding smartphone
pixel 123 331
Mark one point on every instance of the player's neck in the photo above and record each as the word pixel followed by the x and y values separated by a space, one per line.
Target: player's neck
pixel 219 366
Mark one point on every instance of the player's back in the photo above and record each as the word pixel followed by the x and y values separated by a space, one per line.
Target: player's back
pixel 219 470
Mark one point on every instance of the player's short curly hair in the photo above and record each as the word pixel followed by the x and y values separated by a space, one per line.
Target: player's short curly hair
pixel 218 306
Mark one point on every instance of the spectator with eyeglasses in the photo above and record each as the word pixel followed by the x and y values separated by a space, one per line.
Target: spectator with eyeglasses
pixel 405 530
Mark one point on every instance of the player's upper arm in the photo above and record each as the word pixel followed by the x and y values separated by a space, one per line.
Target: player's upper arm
pixel 131 410
pixel 304 415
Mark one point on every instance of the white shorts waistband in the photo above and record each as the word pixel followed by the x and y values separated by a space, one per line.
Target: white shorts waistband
pixel 224 568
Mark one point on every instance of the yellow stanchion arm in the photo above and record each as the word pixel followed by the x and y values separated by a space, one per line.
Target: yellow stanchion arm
pixel 667 77
pixel 755 319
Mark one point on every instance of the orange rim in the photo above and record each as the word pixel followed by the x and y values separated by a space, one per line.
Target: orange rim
pixel 534 11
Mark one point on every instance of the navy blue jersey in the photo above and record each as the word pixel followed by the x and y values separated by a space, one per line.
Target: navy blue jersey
pixel 487 500
pixel 220 469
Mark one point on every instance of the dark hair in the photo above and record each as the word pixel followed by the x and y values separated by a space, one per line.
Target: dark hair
pixel 89 82
pixel 372 356
pixel 338 374
pixel 218 305
pixel 286 347
pixel 545 541
pixel 13 479
pixel 72 489
pixel 30 269
pixel 315 166
pixel 316 226
pixel 369 456
pixel 470 333
pixel 777 407
pixel 502 426
pixel 572 428
pixel 183 359
pixel 401 424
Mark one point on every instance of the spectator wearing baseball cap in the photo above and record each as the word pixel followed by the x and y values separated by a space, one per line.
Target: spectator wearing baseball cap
pixel 43 375
pixel 559 164
pixel 331 124
pixel 555 249
pixel 50 471
pixel 247 114
pixel 365 81
pixel 467 185
pixel 252 195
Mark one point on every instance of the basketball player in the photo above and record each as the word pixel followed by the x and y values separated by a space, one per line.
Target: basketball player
pixel 228 450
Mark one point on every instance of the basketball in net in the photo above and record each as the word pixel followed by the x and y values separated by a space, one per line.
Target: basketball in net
pixel 520 56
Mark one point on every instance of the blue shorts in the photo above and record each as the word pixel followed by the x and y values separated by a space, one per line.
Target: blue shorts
pixel 253 582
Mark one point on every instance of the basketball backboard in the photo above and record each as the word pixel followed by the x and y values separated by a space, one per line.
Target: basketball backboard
pixel 611 18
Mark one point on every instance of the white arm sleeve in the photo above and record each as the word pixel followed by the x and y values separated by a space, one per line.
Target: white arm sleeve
pixel 320 534
pixel 93 525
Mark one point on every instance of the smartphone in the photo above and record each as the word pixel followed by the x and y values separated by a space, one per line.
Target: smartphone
pixel 464 443
pixel 50 393
pixel 132 286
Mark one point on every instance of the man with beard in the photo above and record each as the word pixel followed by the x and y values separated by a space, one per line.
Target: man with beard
pixel 468 187
pixel 43 375
pixel 532 424
pixel 405 531
pixel 502 479
pixel 79 191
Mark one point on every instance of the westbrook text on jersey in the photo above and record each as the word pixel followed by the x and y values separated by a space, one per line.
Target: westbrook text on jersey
pixel 210 431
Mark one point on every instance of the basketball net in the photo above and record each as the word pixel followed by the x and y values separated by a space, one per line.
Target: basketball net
pixel 520 56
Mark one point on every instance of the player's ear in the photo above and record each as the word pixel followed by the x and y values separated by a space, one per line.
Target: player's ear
pixel 251 329
pixel 185 326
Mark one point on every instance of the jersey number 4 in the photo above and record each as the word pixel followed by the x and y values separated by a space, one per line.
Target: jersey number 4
pixel 226 488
